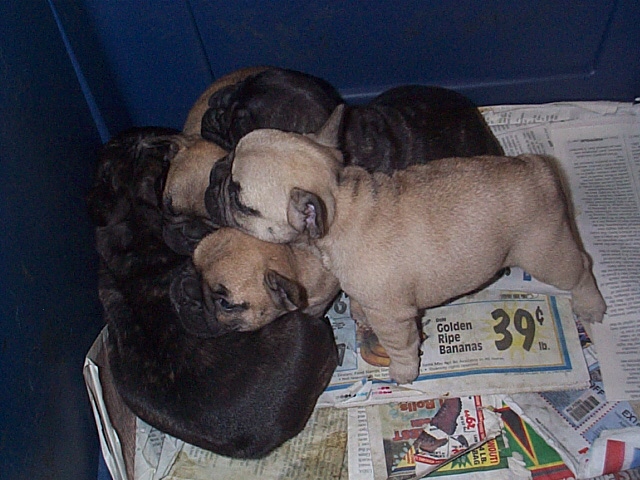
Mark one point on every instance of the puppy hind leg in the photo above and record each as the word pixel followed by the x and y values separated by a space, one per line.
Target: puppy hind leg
pixel 566 266
pixel 400 338
pixel 587 301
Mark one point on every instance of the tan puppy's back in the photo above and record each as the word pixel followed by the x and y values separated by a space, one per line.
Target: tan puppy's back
pixel 425 223
pixel 447 228
pixel 193 123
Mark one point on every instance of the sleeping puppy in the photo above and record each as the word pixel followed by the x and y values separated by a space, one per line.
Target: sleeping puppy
pixel 275 98
pixel 235 394
pixel 185 219
pixel 414 239
pixel 247 283
pixel 190 162
pixel 193 123
pixel 249 98
pixel 191 159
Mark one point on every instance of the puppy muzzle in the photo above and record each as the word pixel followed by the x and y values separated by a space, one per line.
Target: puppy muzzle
pixel 189 303
pixel 215 194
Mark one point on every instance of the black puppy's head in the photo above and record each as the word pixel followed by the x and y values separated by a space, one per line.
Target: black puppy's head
pixel 131 169
pixel 276 98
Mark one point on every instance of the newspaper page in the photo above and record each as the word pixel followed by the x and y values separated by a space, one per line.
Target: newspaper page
pixel 491 342
pixel 317 453
pixel 603 166
pixel 412 439
pixel 109 441
pixel 598 146
pixel 573 420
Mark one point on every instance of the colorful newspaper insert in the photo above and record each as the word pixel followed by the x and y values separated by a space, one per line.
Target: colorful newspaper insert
pixel 492 342
pixel 452 436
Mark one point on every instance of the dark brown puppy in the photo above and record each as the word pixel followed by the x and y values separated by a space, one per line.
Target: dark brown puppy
pixel 236 394
pixel 414 124
pixel 403 126
pixel 275 98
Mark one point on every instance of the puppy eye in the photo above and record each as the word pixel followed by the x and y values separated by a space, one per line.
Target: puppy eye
pixel 234 196
pixel 224 304
pixel 230 307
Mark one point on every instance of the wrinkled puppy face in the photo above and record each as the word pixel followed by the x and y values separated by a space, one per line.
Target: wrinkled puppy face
pixel 266 168
pixel 253 188
pixel 246 283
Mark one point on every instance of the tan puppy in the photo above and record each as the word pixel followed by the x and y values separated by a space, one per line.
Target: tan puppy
pixel 193 123
pixel 247 283
pixel 185 219
pixel 188 175
pixel 414 239
pixel 190 167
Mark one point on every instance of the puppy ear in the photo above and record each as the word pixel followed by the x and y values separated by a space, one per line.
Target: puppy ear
pixel 185 293
pixel 285 293
pixel 328 135
pixel 182 233
pixel 307 213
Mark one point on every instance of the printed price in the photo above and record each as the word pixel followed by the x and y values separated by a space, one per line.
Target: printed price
pixel 524 323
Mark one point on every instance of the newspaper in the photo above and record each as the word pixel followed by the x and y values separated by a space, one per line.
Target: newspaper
pixel 492 342
pixel 407 440
pixel 317 453
pixel 573 421
pixel 109 441
pixel 598 145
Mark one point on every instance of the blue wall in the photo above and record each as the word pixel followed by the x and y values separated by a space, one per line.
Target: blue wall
pixel 48 307
pixel 144 63
pixel 162 54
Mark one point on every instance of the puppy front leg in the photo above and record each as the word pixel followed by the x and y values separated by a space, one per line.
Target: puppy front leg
pixel 398 334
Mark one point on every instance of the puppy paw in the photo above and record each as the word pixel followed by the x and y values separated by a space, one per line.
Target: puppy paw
pixel 370 349
pixel 403 373
pixel 589 309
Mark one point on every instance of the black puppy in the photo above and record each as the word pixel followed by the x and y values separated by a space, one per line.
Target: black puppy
pixel 414 124
pixel 235 394
pixel 275 98
pixel 403 126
